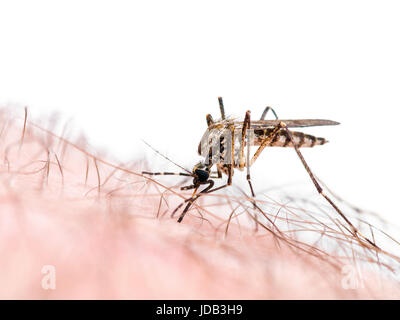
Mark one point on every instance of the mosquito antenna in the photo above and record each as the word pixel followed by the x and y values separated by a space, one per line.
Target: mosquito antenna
pixel 166 157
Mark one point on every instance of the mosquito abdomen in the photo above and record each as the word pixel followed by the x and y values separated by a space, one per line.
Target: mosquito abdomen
pixel 282 139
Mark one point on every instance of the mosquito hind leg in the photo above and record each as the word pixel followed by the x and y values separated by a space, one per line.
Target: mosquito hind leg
pixel 354 230
pixel 266 111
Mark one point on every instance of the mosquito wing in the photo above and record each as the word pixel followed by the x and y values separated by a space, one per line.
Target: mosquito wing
pixel 216 130
pixel 291 123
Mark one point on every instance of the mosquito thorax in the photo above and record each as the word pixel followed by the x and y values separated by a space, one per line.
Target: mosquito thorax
pixel 201 172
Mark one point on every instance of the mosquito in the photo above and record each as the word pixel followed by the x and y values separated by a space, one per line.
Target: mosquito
pixel 224 143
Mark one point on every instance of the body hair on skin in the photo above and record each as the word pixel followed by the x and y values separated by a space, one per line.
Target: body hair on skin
pixel 108 232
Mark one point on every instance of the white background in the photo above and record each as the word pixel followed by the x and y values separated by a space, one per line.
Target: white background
pixel 126 70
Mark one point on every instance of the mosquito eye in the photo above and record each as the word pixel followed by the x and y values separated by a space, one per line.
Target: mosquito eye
pixel 202 175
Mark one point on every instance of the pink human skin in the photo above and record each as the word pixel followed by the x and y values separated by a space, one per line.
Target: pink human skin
pixel 99 227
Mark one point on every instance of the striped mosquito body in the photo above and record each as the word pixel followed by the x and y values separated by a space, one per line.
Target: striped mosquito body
pixel 224 140
pixel 282 139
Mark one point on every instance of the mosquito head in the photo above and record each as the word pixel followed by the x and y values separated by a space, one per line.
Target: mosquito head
pixel 201 172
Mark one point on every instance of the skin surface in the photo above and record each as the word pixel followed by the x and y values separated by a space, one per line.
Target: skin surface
pixel 106 232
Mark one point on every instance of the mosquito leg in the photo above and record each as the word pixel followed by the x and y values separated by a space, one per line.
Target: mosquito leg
pixel 167 174
pixel 209 120
pixel 249 162
pixel 265 142
pixel 246 125
pixel 321 191
pixel 186 209
pixel 219 174
pixel 242 162
pixel 248 136
pixel 231 165
pixel 192 186
pixel 205 191
pixel 249 178
pixel 228 162
pixel 178 207
pixel 266 111
pixel 350 205
pixel 228 183
pixel 193 199
pixel 221 108
pixel 218 188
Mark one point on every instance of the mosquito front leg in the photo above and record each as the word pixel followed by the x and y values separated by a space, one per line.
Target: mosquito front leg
pixel 228 183
pixel 167 174
pixel 205 191
pixel 219 174
pixel 192 186
pixel 193 198
pixel 178 207
pixel 221 187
